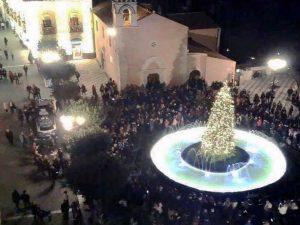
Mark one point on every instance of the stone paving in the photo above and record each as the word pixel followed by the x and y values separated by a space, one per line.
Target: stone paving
pixel 15 92
pixel 17 170
pixel 259 85
pixel 91 74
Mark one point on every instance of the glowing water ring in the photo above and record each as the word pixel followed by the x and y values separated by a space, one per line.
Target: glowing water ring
pixel 266 164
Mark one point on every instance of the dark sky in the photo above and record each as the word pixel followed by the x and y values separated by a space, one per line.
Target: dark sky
pixel 258 28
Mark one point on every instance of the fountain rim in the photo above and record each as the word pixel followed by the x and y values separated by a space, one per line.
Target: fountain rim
pixel 164 155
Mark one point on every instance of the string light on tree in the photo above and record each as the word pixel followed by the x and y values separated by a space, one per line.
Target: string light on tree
pixel 217 141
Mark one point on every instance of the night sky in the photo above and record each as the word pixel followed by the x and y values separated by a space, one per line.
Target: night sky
pixel 250 28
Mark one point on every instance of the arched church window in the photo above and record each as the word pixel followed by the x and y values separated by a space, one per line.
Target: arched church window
pixel 126 17
pixel 75 25
pixel 47 21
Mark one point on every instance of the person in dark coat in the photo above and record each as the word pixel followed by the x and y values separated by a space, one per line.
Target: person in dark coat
pixel 25 68
pixel 5 41
pixel 10 136
pixel 15 196
pixel 26 199
pixel 64 207
pixel 6 54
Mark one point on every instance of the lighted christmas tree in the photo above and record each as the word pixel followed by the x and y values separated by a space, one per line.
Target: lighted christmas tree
pixel 218 139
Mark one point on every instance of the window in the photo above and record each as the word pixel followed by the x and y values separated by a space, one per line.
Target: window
pixel 47 22
pixel 75 25
pixel 74 21
pixel 126 17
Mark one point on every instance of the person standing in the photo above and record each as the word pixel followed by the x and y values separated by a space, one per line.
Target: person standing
pixel 23 140
pixel 26 199
pixel 30 58
pixel 6 54
pixel 77 75
pixel 94 92
pixel 15 196
pixel 5 106
pixel 5 41
pixel 25 68
pixel 12 107
pixel 2 26
pixel 10 136
pixel 83 89
pixel 11 76
pixel 12 56
pixel 29 90
pixel 65 206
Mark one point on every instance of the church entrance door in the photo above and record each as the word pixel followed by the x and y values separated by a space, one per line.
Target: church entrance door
pixel 153 81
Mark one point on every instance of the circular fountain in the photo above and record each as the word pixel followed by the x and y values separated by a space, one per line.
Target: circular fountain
pixel 265 163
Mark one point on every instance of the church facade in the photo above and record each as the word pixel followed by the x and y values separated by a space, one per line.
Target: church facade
pixel 134 44
pixel 68 22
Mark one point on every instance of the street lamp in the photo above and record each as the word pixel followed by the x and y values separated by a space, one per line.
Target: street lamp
pixel 69 122
pixel 50 56
pixel 111 31
pixel 276 64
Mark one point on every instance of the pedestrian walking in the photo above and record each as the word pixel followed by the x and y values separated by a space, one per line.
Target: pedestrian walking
pixel 83 89
pixel 21 116
pixel 12 107
pixel 6 54
pixel 94 92
pixel 15 196
pixel 5 106
pixel 2 25
pixel 26 199
pixel 17 78
pixel 25 68
pixel 77 75
pixel 11 76
pixel 10 136
pixel 29 90
pixel 5 41
pixel 30 58
pixel 65 206
pixel 23 139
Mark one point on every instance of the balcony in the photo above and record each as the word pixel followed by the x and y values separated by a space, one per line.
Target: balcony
pixel 49 30
pixel 75 28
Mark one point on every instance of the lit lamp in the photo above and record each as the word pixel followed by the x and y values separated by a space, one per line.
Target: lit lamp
pixel 111 31
pixel 50 56
pixel 69 122
pixel 276 64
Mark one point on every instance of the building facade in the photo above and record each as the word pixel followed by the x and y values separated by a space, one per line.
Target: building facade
pixel 134 44
pixel 68 22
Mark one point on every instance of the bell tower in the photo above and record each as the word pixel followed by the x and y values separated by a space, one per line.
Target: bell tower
pixel 124 13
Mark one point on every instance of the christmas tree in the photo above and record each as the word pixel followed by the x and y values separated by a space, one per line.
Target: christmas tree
pixel 218 138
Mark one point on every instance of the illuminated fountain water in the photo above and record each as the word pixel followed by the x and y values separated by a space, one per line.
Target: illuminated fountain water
pixel 264 162
pixel 265 166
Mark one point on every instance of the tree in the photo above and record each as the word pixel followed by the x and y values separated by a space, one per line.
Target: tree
pixel 47 44
pixel 93 172
pixel 218 138
pixel 66 91
pixel 58 71
pixel 216 85
pixel 92 114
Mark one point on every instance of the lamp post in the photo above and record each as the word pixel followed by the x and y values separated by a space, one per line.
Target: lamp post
pixel 275 65
pixel 69 122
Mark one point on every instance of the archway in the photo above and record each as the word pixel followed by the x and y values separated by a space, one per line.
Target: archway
pixel 153 81
pixel 153 65
pixel 196 81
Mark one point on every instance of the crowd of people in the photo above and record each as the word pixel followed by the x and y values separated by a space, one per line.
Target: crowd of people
pixel 142 114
